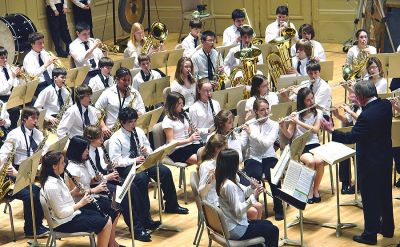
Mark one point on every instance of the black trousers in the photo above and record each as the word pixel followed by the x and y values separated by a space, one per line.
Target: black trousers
pixel 262 228
pixel 83 15
pixel 58 28
pixel 396 157
pixel 256 169
pixel 345 173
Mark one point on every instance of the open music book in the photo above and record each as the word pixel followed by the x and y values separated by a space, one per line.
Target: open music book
pixel 333 152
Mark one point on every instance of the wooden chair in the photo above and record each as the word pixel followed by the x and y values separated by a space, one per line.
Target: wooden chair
pixel 7 201
pixel 194 184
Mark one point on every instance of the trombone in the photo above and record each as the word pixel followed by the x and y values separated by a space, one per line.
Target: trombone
pixel 255 41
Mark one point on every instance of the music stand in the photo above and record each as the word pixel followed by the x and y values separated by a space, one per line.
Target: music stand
pixel 333 153
pixel 223 50
pixel 282 110
pixel 235 94
pixel 22 94
pixel 393 71
pixel 174 56
pixel 159 59
pixel 96 95
pixel 327 70
pixel 125 62
pixel 161 84
pixel 26 177
pixel 76 76
pixel 147 90
pixel 149 119
pixel 286 81
pixel 222 97
pixel 40 121
pixel 59 145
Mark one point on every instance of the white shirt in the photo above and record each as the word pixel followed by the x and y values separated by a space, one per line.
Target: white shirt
pixel 272 31
pixel 48 99
pixel 202 117
pixel 199 60
pixel 72 122
pixel 234 205
pixel 230 61
pixel 188 45
pixel 22 142
pixel 120 146
pixel 78 53
pixel 4 114
pixel 7 85
pixel 211 195
pixel 52 4
pixel 180 129
pixel 59 200
pixel 380 85
pixel 83 171
pixel 310 120
pixel 32 67
pixel 79 4
pixel 133 52
pixel 96 83
pixel 138 79
pixel 230 35
pixel 271 97
pixel 353 52
pixel 92 155
pixel 303 64
pixel 318 50
pixel 188 93
pixel 110 101
pixel 261 139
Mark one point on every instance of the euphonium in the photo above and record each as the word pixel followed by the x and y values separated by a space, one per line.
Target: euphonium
pixel 7 185
pixel 158 34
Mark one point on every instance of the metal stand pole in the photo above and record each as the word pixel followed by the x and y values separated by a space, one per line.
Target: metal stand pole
pixel 131 217
pixel 356 202
pixel 384 20
pixel 285 240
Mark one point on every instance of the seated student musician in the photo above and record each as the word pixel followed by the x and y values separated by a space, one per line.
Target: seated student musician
pixel 100 161
pixel 309 120
pixel 233 203
pixel 184 82
pixel 79 115
pixel 38 62
pixel 54 97
pixel 117 97
pixel 231 35
pixel 9 78
pixel 177 128
pixel 306 31
pixel 145 74
pixel 79 171
pixel 192 43
pixel 104 78
pixel 362 45
pixel 85 50
pixel 275 29
pixel 204 109
pixel 303 56
pixel 245 39
pixel 375 74
pixel 205 60
pixel 129 147
pixel 260 137
pixel 259 89
pixel 25 140
pixel 67 215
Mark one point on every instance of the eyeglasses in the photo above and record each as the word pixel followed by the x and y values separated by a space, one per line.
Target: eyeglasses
pixel 210 40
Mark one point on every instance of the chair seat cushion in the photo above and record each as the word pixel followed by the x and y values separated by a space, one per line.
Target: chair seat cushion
pixel 237 243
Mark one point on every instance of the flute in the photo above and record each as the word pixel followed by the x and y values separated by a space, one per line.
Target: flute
pixel 252 121
pixel 302 84
pixel 350 82
pixel 298 112
pixel 82 190
pixel 253 181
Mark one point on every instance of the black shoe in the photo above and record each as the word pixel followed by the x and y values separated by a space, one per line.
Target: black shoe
pixel 41 231
pixel 142 236
pixel 177 210
pixel 317 199
pixel 365 240
pixel 278 216
pixel 348 190
pixel 397 184
pixel 386 235
pixel 152 225
pixel 310 200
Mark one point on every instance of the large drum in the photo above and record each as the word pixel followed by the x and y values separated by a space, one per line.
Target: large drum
pixel 14 30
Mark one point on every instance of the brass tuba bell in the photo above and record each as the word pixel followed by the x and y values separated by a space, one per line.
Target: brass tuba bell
pixel 158 34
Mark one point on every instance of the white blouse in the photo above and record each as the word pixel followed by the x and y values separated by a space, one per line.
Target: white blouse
pixel 202 117
pixel 271 97
pixel 310 120
pixel 211 195
pixel 188 93
pixel 83 171
pixel 180 130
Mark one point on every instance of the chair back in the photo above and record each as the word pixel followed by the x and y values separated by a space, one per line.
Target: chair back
pixel 189 5
pixel 46 211
pixel 241 111
pixel 215 219
pixel 194 184
pixel 159 138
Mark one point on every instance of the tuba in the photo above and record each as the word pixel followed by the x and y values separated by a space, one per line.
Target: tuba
pixel 279 62
pixel 158 34
pixel 7 184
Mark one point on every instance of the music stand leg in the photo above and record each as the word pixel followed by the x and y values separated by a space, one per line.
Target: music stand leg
pixel 338 225
pixel 33 242
pixel 131 217
pixel 356 202
pixel 285 240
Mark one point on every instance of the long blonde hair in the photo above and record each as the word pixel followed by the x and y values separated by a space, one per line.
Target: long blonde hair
pixel 135 27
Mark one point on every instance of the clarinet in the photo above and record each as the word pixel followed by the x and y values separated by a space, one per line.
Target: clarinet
pixel 106 153
pixel 138 146
pixel 98 173
pixel 211 106
pixel 192 126
pixel 82 190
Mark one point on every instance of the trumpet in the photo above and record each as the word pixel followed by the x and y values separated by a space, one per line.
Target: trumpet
pixel 298 113
pixel 57 62
pixel 238 129
pixel 22 74
pixel 106 48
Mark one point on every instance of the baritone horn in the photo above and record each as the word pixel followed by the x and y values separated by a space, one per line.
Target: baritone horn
pixel 158 34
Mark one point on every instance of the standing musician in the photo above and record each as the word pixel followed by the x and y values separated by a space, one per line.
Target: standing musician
pixel 25 141
pixel 38 62
pixel 396 150
pixel 79 115
pixel 104 78
pixel 97 157
pixel 245 39
pixel 117 97
pixel 184 83
pixel 306 31
pixel 67 215
pixel 81 172
pixel 234 205
pixel 274 30
pixel 177 128
pixel 145 73
pixel 81 10
pixel 205 60
pixel 8 80
pixel 260 137
pixel 85 50
pixel 129 147
pixel 204 109
pixel 303 56
pixel 372 135
pixel 309 120
pixel 260 89
pixel 231 35
pixel 362 45
pixel 55 96
pixel 192 43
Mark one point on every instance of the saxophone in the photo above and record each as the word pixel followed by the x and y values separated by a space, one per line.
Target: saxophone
pixel 7 184
pixel 117 124
pixel 43 142
pixel 101 118
pixel 63 109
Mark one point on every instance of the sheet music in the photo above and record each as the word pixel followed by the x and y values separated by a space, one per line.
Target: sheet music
pixel 277 171
pixel 333 152
pixel 298 181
